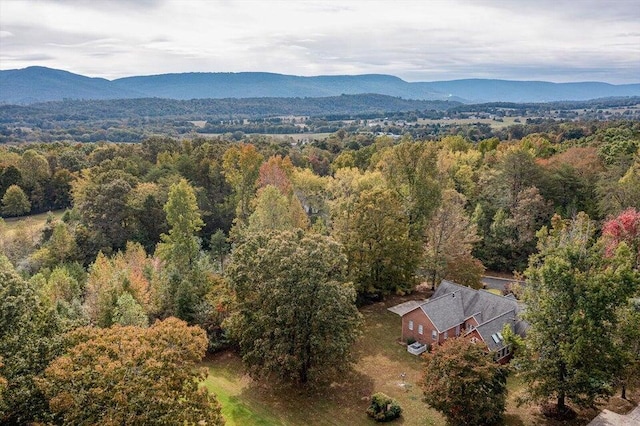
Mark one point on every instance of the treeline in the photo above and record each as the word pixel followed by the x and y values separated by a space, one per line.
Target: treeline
pixel 269 247
pixel 203 109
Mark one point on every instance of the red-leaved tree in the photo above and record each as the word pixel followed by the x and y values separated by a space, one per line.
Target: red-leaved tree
pixel 623 228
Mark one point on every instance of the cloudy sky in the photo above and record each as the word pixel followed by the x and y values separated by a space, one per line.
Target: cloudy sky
pixel 424 40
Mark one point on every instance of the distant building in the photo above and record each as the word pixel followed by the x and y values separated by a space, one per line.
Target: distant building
pixel 455 310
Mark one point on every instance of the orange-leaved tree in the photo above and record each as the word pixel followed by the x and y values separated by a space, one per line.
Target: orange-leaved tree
pixel 131 375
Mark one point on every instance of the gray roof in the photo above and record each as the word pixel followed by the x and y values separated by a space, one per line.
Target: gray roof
pixel 452 304
pixel 494 326
pixel 445 311
pixel 480 304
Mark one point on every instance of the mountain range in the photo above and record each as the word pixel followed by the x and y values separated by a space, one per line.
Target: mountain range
pixel 40 84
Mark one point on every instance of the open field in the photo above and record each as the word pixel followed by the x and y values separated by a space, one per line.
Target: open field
pixel 297 137
pixel 507 121
pixel 35 222
pixel 380 362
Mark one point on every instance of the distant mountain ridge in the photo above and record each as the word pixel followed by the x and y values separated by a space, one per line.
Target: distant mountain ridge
pixel 41 84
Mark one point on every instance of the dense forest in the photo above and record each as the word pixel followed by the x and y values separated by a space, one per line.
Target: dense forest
pixel 249 240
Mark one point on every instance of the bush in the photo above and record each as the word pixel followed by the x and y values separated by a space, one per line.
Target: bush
pixel 411 341
pixel 383 408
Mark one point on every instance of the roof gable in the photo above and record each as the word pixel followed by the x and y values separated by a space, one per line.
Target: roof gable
pixel 445 312
pixel 491 330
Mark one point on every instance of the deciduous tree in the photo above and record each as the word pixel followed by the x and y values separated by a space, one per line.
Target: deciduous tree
pixel 180 248
pixel 449 239
pixel 15 202
pixel 296 316
pixel 241 167
pixel 132 375
pixel 129 312
pixel 464 383
pixel 29 340
pixel 572 294
pixel 370 221
pixel 623 228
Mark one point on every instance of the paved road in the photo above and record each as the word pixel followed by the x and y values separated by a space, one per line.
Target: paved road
pixel 496 282
pixel 609 418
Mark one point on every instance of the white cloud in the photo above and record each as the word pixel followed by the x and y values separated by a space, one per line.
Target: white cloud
pixel 417 40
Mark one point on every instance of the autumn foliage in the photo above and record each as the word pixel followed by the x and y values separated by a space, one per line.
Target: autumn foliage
pixel 462 381
pixel 131 375
pixel 623 228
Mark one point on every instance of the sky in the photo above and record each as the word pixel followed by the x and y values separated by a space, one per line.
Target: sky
pixel 425 40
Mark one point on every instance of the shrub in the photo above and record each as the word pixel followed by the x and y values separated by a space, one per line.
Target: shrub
pixel 383 408
pixel 411 341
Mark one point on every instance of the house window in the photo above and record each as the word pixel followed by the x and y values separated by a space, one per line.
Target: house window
pixel 420 329
pixel 434 335
pixel 410 325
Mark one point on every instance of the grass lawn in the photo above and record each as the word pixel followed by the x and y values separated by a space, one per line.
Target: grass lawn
pixel 380 361
pixel 35 221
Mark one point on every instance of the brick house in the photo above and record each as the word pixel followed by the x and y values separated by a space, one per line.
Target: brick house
pixel 456 310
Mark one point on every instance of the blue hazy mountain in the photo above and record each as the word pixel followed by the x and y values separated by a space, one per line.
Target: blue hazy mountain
pixel 37 84
pixel 482 90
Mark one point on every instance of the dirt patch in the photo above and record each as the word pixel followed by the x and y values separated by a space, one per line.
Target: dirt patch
pixel 553 412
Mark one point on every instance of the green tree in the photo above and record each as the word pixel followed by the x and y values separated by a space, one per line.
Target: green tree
pixel 34 167
pixel 3 381
pixel 61 286
pixel 241 168
pixel 296 316
pixel 186 273
pixel 101 198
pixel 464 383
pixel 29 340
pixel 628 341
pixel 181 246
pixel 129 312
pixel 410 170
pixel 276 211
pixel 619 187
pixel 15 202
pixel 382 257
pixel 132 375
pixel 59 248
pixel 219 248
pixel 572 294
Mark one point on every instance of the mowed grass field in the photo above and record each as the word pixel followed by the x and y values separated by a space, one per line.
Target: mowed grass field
pixel 507 121
pixel 380 361
pixel 35 222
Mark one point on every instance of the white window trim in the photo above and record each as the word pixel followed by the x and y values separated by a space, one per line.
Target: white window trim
pixel 411 325
pixel 434 335
pixel 420 329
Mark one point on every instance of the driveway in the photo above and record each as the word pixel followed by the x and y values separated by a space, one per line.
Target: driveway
pixel 496 283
